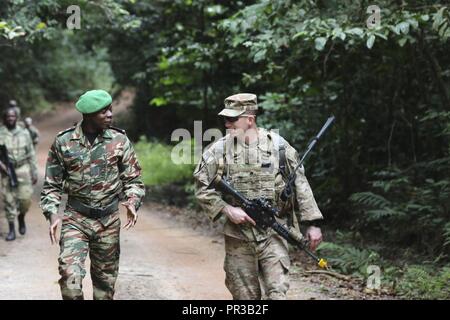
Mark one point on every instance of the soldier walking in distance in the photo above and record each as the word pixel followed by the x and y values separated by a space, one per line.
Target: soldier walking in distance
pixel 17 142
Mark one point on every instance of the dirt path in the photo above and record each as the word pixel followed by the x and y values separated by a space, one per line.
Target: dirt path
pixel 160 258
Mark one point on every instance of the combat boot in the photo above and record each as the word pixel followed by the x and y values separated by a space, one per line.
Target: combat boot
pixel 22 227
pixel 12 232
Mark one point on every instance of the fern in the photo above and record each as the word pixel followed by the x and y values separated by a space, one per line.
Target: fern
pixel 370 199
pixel 348 259
pixel 447 234
pixel 377 214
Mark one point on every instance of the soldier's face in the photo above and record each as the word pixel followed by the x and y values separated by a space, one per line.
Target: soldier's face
pixel 238 126
pixel 103 118
pixel 10 118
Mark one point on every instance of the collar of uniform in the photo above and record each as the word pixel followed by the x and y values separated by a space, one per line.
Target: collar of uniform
pixel 107 134
pixel 11 132
pixel 78 134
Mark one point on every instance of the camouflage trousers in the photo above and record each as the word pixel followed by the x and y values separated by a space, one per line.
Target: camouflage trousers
pixel 17 200
pixel 100 238
pixel 255 266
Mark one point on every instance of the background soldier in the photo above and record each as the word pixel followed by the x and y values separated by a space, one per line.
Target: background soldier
pixel 248 158
pixel 21 154
pixel 95 163
pixel 13 105
pixel 34 132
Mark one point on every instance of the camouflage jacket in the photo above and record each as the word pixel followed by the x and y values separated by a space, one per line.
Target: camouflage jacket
pixel 34 133
pixel 20 150
pixel 94 175
pixel 254 171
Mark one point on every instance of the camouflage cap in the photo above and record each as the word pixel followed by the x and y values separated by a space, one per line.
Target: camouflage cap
pixel 238 104
pixel 93 101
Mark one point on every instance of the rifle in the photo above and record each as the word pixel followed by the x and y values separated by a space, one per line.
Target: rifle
pixel 264 215
pixel 7 167
pixel 288 190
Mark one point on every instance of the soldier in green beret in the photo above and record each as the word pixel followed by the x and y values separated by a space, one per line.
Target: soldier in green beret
pixel 255 161
pixel 95 164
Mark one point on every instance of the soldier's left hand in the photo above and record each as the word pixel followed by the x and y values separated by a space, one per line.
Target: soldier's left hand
pixel 131 215
pixel 34 180
pixel 314 235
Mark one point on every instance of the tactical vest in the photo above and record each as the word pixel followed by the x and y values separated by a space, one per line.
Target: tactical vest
pixel 255 171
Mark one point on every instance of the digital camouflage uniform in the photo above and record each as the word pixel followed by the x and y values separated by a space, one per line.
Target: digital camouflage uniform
pixel 253 255
pixel 95 175
pixel 22 156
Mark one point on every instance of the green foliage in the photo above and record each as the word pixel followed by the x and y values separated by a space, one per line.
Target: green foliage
pixel 419 282
pixel 73 70
pixel 418 211
pixel 447 234
pixel 157 165
pixel 411 282
pixel 42 60
pixel 348 259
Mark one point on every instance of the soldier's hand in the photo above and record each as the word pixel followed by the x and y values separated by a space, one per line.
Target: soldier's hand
pixel 131 215
pixel 314 235
pixel 237 215
pixel 34 180
pixel 54 221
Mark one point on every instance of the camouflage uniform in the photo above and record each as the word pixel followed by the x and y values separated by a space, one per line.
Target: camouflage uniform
pixel 254 256
pixel 34 133
pixel 22 155
pixel 93 175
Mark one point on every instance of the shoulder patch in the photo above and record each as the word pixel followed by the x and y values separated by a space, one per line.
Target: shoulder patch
pixel 65 131
pixel 117 129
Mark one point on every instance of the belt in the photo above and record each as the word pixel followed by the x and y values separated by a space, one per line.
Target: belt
pixel 91 212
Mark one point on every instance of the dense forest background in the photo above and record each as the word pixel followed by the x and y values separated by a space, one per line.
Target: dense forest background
pixel 381 175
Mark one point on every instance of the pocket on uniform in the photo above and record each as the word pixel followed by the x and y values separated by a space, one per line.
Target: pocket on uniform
pixel 286 263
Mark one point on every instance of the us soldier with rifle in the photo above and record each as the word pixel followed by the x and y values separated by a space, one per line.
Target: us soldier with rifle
pixel 257 164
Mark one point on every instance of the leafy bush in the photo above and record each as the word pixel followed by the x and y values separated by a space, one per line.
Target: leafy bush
pixel 157 165
pixel 419 282
pixel 348 259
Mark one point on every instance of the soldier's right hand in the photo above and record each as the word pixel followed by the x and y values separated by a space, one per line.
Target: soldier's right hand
pixel 54 221
pixel 237 215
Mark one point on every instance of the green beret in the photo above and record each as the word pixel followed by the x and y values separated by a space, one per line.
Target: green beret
pixel 93 101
